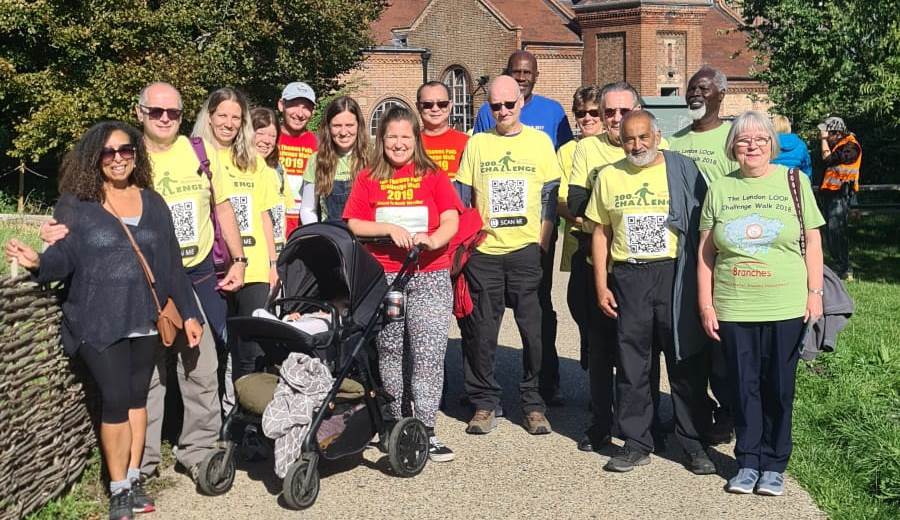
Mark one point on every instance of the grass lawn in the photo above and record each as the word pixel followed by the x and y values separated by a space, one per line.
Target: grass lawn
pixel 847 410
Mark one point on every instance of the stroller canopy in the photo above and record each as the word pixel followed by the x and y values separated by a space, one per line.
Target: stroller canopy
pixel 324 261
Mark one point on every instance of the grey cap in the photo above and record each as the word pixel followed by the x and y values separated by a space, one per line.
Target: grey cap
pixel 298 89
pixel 835 124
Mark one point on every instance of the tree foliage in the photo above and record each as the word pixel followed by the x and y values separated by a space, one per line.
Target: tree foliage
pixel 66 64
pixel 834 57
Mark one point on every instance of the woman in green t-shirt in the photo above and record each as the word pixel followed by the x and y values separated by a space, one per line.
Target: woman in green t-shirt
pixel 756 292
pixel 343 152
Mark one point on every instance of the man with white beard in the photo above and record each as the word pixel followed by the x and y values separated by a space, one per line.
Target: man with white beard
pixel 647 209
pixel 704 140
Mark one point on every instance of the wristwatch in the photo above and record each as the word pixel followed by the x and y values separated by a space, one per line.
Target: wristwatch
pixel 820 292
pixel 239 260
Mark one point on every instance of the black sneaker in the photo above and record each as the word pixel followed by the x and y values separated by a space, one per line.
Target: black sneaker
pixel 438 452
pixel 141 501
pixel 700 464
pixel 626 459
pixel 585 444
pixel 121 505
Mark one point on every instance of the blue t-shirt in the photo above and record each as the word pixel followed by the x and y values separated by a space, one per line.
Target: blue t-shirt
pixel 540 113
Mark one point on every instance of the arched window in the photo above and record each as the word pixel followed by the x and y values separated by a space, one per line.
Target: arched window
pixel 461 118
pixel 380 110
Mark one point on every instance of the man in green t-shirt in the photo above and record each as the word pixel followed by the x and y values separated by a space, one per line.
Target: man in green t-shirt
pixel 640 217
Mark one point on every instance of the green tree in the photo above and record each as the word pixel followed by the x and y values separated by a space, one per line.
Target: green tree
pixel 834 57
pixel 67 64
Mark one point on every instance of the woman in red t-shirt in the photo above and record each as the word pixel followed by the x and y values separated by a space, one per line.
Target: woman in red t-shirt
pixel 404 195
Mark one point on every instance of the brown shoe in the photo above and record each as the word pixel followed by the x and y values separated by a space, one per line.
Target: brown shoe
pixel 536 423
pixel 482 422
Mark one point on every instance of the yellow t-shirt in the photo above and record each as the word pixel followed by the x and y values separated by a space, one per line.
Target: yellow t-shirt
pixel 591 155
pixel 252 195
pixel 507 174
pixel 177 177
pixel 634 202
pixel 276 212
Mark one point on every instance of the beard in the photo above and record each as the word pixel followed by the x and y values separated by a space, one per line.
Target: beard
pixel 697 114
pixel 643 159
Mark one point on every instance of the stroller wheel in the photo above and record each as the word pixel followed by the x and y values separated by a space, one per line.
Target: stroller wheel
pixel 296 494
pixel 408 447
pixel 215 475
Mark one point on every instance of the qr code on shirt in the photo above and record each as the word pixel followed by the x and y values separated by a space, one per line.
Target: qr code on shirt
pixel 241 205
pixel 508 196
pixel 646 235
pixel 184 217
pixel 277 214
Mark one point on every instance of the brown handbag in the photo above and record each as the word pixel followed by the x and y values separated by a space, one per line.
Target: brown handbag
pixel 168 322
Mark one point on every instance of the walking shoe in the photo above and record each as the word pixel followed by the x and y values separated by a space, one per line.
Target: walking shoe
pixel 464 401
pixel 700 464
pixel 771 483
pixel 536 423
pixel 482 422
pixel 585 444
pixel 626 459
pixel 437 452
pixel 140 500
pixel 743 482
pixel 120 505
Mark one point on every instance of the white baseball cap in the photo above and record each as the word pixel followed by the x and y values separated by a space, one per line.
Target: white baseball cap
pixel 298 89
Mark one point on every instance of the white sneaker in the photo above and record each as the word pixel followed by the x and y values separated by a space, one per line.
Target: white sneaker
pixel 438 452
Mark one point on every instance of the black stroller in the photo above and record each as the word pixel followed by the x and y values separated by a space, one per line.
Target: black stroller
pixel 323 267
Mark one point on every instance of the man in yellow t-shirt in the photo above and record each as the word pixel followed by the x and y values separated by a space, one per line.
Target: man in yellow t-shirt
pixel 511 175
pixel 631 205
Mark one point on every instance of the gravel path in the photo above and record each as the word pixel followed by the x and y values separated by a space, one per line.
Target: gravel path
pixel 507 473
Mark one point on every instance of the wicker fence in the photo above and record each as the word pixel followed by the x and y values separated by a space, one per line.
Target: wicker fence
pixel 46 432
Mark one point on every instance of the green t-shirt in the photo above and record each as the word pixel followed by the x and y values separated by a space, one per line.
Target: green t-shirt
pixel 707 149
pixel 341 173
pixel 759 273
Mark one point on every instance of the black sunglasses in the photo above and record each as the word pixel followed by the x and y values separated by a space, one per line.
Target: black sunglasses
pixel 611 112
pixel 126 152
pixel 581 113
pixel 157 112
pixel 428 105
pixel 508 104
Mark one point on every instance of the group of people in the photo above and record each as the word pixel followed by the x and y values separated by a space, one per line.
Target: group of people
pixel 689 247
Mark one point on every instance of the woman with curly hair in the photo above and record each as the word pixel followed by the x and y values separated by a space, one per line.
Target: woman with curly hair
pixel 109 315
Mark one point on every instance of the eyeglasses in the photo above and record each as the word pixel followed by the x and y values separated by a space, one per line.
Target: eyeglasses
pixel 157 112
pixel 428 105
pixel 611 112
pixel 592 112
pixel 126 152
pixel 760 142
pixel 508 104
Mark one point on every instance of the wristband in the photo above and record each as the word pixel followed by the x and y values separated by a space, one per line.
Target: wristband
pixel 272 263
pixel 240 260
pixel 820 292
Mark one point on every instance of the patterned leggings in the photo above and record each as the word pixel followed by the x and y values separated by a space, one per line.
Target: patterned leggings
pixel 429 302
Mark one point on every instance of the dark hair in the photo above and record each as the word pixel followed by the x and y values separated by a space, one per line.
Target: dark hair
pixel 80 173
pixel 262 117
pixel 327 155
pixel 381 169
pixel 585 95
pixel 431 83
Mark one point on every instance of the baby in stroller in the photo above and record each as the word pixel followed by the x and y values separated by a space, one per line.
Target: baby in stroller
pixel 332 314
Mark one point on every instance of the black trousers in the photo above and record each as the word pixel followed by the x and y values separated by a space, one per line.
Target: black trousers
pixel 601 330
pixel 578 297
pixel 643 293
pixel 246 355
pixel 837 211
pixel 549 378
pixel 122 371
pixel 495 280
pixel 762 365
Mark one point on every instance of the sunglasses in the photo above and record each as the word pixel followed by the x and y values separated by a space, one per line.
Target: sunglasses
pixel 592 112
pixel 428 105
pixel 611 112
pixel 508 104
pixel 126 152
pixel 157 112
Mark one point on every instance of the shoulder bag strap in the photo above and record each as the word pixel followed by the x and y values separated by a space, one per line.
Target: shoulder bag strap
pixel 200 151
pixel 794 184
pixel 148 274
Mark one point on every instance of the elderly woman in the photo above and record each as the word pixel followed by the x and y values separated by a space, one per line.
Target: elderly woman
pixel 109 315
pixel 756 292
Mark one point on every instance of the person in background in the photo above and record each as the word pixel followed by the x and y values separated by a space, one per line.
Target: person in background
pixel 756 290
pixel 794 153
pixel 109 314
pixel 265 139
pixel 405 196
pixel 296 144
pixel 343 152
pixel 842 155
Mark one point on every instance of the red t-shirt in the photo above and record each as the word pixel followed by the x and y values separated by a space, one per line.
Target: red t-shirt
pixel 416 203
pixel 446 149
pixel 293 153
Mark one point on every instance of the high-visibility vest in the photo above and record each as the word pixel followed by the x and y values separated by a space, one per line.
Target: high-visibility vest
pixel 837 175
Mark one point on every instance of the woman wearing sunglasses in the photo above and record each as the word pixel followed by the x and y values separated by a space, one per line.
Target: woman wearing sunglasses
pixel 109 315
pixel 343 152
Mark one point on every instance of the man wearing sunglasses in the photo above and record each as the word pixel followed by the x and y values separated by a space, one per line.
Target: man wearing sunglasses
pixel 511 175
pixel 442 143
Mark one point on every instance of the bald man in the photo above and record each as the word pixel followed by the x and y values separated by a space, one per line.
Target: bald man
pixel 511 175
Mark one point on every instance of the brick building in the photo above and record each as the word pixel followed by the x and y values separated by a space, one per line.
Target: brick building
pixel 654 44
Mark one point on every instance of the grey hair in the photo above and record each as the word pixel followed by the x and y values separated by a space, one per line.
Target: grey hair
pixel 654 123
pixel 718 78
pixel 751 120
pixel 142 97
pixel 619 86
